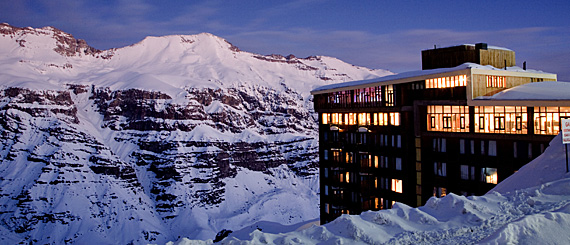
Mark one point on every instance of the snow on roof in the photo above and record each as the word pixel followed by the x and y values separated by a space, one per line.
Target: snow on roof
pixel 533 91
pixel 490 47
pixel 417 73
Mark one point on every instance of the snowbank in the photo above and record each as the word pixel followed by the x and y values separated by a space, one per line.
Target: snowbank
pixel 531 207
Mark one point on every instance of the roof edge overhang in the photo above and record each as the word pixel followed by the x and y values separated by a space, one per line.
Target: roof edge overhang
pixel 528 103
pixel 428 74
pixel 392 79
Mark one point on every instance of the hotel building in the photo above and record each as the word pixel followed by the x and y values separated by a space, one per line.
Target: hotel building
pixel 465 122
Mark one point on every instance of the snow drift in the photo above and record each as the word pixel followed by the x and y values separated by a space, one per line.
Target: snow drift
pixel 530 207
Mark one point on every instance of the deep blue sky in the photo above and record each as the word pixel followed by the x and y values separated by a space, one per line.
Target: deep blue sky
pixel 375 34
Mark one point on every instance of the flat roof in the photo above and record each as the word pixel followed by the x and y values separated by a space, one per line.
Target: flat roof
pixel 551 90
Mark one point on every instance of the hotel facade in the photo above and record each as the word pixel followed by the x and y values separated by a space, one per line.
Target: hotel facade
pixel 461 125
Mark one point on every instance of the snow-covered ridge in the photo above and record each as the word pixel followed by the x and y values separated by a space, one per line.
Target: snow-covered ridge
pixel 175 135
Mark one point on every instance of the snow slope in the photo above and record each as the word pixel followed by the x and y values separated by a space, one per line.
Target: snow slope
pixel 175 135
pixel 530 207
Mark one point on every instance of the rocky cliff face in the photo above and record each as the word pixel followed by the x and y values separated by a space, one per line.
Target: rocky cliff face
pixel 173 136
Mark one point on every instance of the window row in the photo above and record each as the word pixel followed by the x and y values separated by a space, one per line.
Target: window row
pixel 373 96
pixel 377 203
pixel 495 119
pixel 394 185
pixel 487 175
pixel 447 82
pixel 495 81
pixel 373 161
pixel 365 159
pixel 364 139
pixel 485 149
pixel 547 119
pixel 448 118
pixel 362 119
pixel 501 119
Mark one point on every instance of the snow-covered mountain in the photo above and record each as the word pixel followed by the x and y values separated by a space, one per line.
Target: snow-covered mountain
pixel 532 206
pixel 181 135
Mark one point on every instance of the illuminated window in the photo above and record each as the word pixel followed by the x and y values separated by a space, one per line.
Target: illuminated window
pixel 376 182
pixel 335 118
pixel 495 82
pixel 377 203
pixel 448 118
pixel 397 185
pixel 547 119
pixel 381 119
pixel 501 119
pixel 351 118
pixel 389 95
pixel 395 118
pixel 326 119
pixel 500 123
pixel 349 157
pixel 439 191
pixel 489 175
pixel 336 155
pixel 363 119
pixel 347 175
pixel 447 82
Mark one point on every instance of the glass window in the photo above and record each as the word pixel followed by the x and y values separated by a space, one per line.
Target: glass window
pixel 495 81
pixel 461 146
pixel 439 191
pixel 398 163
pixel 501 119
pixel 399 141
pixel 489 175
pixel 326 118
pixel 465 172
pixel 389 95
pixel 440 169
pixel 397 185
pixel 492 148
pixel 547 119
pixel 446 82
pixel 448 118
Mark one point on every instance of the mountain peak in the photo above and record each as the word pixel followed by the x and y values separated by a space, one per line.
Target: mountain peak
pixel 65 43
